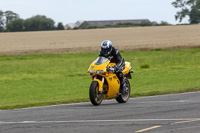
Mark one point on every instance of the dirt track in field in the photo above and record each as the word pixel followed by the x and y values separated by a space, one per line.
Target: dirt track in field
pixel 134 38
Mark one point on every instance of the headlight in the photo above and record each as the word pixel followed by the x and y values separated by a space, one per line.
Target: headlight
pixel 91 71
pixel 100 71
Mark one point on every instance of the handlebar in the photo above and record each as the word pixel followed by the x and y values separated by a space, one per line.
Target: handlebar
pixel 111 69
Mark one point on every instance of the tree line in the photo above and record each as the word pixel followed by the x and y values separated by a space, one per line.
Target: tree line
pixel 11 22
pixel 142 24
pixel 190 8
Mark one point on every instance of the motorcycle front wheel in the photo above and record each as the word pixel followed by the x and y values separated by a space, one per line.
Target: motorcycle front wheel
pixel 96 97
pixel 123 98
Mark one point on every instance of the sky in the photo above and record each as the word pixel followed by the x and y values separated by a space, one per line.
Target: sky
pixel 69 11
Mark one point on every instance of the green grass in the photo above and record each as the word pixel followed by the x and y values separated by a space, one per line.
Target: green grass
pixel 46 79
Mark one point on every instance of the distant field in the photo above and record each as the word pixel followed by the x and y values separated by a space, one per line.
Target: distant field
pixel 134 38
pixel 46 79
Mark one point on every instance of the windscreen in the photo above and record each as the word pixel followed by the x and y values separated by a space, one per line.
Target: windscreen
pixel 100 60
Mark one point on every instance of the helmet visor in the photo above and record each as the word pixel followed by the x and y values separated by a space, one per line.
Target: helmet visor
pixel 105 51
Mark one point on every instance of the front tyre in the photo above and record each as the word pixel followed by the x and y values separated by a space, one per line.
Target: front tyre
pixel 96 97
pixel 123 98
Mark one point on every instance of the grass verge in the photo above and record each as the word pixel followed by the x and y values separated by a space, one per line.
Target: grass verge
pixel 46 79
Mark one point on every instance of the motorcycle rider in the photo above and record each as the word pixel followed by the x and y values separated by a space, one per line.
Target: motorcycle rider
pixel 107 50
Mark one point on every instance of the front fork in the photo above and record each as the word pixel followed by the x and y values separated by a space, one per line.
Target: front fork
pixel 100 83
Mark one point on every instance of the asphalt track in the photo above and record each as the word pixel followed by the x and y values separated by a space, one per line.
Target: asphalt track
pixel 178 113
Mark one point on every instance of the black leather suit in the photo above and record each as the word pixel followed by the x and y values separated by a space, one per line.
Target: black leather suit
pixel 120 63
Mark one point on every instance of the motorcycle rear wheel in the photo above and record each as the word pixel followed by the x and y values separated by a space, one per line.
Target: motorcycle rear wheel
pixel 95 96
pixel 123 98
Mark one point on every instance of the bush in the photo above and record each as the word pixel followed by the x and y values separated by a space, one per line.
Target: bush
pixel 15 25
pixel 144 66
pixel 39 23
pixel 145 23
pixel 60 26
pixel 164 23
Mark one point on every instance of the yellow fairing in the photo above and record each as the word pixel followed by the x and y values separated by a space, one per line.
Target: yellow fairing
pixel 103 67
pixel 127 68
pixel 100 83
pixel 98 67
pixel 113 85
pixel 111 64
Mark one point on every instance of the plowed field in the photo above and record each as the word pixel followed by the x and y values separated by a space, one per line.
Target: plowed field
pixel 134 38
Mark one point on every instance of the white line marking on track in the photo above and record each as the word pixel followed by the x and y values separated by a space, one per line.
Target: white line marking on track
pixel 92 121
pixel 49 106
pixel 147 129
pixel 187 121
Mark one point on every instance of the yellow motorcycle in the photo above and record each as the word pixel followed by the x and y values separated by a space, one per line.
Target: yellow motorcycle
pixel 105 83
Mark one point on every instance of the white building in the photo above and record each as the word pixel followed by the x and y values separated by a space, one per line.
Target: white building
pixel 73 25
